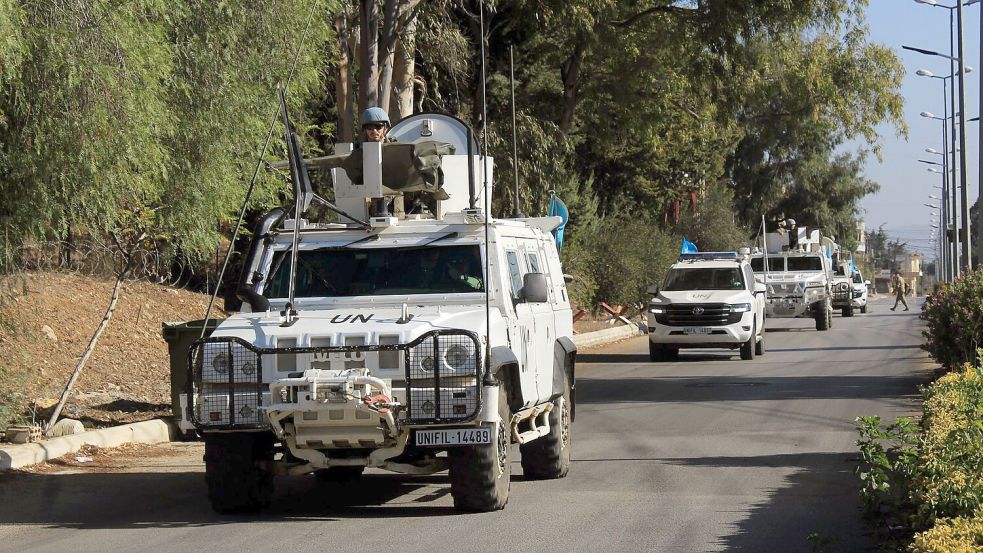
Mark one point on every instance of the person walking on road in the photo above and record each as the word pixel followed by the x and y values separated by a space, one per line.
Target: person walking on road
pixel 900 287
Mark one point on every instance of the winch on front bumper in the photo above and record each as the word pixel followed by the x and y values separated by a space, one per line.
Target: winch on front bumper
pixel 329 390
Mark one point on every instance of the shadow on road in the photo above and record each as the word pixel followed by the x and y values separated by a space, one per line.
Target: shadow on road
pixel 737 388
pixel 816 498
pixel 850 348
pixel 178 500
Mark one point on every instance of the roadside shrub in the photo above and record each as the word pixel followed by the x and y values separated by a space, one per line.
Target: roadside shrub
pixel 958 535
pixel 949 482
pixel 929 481
pixel 954 316
pixel 631 254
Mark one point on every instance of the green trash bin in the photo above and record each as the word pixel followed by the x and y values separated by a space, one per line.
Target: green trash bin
pixel 179 337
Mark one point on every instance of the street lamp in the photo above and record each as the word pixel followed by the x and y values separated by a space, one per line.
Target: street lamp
pixel 957 68
pixel 956 58
pixel 949 188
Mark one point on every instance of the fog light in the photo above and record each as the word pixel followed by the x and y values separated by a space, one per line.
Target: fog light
pixel 246 411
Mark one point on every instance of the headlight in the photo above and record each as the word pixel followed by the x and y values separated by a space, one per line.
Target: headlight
pixel 740 308
pixel 221 363
pixel 458 356
pixel 427 364
pixel 657 308
pixel 454 356
pixel 248 368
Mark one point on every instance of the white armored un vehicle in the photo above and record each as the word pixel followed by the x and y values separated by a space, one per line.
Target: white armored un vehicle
pixel 414 341
pixel 798 280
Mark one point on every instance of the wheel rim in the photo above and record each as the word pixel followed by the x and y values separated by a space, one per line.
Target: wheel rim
pixel 564 423
pixel 503 452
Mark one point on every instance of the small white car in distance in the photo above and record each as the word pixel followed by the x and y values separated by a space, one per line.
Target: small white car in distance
pixel 708 300
pixel 860 287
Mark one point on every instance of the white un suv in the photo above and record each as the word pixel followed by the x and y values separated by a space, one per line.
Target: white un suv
pixel 709 300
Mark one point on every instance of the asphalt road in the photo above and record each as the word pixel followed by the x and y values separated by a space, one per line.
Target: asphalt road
pixel 709 453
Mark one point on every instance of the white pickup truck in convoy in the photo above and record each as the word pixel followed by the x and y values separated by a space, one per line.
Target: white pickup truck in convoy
pixel 708 300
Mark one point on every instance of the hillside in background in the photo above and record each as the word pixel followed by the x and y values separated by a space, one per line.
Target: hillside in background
pixel 46 322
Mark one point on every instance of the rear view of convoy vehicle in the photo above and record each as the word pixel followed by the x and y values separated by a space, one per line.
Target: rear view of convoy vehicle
pixel 708 300
pixel 414 342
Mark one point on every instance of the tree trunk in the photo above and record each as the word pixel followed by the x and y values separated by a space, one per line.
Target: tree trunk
pixel 88 352
pixel 404 73
pixel 124 272
pixel 368 81
pixel 570 73
pixel 343 100
pixel 387 50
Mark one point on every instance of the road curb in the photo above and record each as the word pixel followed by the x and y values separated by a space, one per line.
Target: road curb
pixel 606 336
pixel 147 432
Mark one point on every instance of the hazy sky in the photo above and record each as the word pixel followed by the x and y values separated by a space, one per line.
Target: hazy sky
pixel 906 183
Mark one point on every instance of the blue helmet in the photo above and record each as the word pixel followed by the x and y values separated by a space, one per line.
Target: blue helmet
pixel 375 115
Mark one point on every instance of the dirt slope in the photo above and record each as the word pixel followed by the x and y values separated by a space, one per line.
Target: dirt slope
pixel 46 321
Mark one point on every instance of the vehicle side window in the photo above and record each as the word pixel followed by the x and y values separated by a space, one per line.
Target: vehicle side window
pixel 533 261
pixel 749 278
pixel 515 273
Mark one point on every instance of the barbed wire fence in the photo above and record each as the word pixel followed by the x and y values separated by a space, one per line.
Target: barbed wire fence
pixel 92 258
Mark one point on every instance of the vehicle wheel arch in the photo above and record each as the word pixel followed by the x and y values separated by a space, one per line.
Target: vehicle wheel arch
pixel 565 370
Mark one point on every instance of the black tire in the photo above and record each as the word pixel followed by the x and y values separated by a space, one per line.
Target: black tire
pixel 339 474
pixel 671 354
pixel 863 309
pixel 848 311
pixel 747 348
pixel 759 348
pixel 656 353
pixel 237 471
pixel 481 475
pixel 549 457
pixel 823 319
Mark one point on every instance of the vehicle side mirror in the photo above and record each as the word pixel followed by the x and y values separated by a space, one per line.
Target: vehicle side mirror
pixel 867 282
pixel 653 290
pixel 759 288
pixel 534 288
pixel 567 278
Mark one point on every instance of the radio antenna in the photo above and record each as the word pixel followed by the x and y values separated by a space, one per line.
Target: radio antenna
pixel 488 379
pixel 516 203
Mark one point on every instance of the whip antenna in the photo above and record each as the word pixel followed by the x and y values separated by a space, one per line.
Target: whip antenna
pixel 489 380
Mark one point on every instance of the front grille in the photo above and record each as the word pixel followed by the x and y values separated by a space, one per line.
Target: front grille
pixel 226 388
pixel 784 289
pixel 698 314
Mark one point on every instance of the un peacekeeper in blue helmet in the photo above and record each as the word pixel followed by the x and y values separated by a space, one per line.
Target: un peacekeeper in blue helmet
pixel 375 125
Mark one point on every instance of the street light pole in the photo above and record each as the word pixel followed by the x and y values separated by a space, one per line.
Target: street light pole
pixel 967 250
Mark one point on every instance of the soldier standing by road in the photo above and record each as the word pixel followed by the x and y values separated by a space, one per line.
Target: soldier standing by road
pixel 900 287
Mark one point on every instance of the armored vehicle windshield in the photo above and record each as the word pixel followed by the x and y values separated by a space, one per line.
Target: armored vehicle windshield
pixel 800 264
pixel 775 264
pixel 339 272
pixel 704 278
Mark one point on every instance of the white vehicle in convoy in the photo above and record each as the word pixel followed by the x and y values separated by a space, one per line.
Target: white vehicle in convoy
pixel 860 291
pixel 798 285
pixel 370 343
pixel 708 300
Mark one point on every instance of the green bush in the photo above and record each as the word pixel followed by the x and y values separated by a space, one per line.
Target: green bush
pixel 929 481
pixel 949 480
pixel 959 535
pixel 954 316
